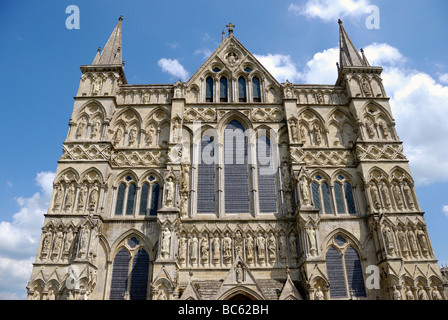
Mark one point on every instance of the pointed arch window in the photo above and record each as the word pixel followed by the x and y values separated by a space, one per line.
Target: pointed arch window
pixel 130 274
pixel 344 197
pixel 242 95
pixel 223 90
pixel 126 196
pixel 256 91
pixel 209 90
pixel 266 176
pixel 236 176
pixel 322 195
pixel 149 198
pixel 206 176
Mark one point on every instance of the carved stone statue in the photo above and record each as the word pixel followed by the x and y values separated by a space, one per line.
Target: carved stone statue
pixel 319 295
pixel 58 197
pixel 204 249
pixel 396 294
pixel 398 196
pixel 282 248
pixel 238 245
pixel 261 245
pixel 311 233
pixel 185 177
pixel 146 98
pixel 80 129
pixel 216 249
pixel 57 244
pixel 184 205
pixel 385 129
pixel 84 241
pixel 408 195
pixel 46 242
pixel 117 136
pixel 194 249
pixel 82 197
pixel 294 130
pixel 69 198
pixel 317 134
pixel 96 129
pixel 293 246
pixel 272 248
pixel 93 198
pixel 182 249
pixel 96 89
pixel 68 242
pixel 375 197
pixel 169 192
pixel 388 238
pixel 176 126
pixel 366 88
pixel 413 242
pixel 423 241
pixel 304 191
pixel 288 93
pixel 436 294
pixel 132 136
pixel 239 273
pixel 370 129
pixel 422 295
pixel 288 203
pixel 386 196
pixel 227 249
pixel 166 243
pixel 249 249
pixel 286 177
pixel 302 135
pixel 150 136
pixel 409 295
pixel 403 242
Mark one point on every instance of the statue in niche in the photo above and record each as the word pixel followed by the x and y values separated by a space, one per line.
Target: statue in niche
pixel 82 197
pixel 272 247
pixel 286 177
pixel 166 243
pixel 423 241
pixel 311 233
pixel 403 242
pixel 319 295
pixel 386 196
pixel 194 249
pixel 366 87
pixel 169 189
pixel 68 242
pixel 370 129
pixel 58 197
pixel 239 273
pixel 409 295
pixel 36 295
pixel 320 98
pixel 150 136
pixel 69 198
pixel 293 246
pixel 385 129
pixel 182 249
pixel 96 128
pixel 413 242
pixel 376 197
pixel 94 243
pixel 302 135
pixel 46 243
pixel 80 129
pixel 204 249
pixel 436 294
pixel 238 245
pixel 117 136
pixel 216 249
pixel 176 126
pixel 422 295
pixel 185 177
pixel 93 198
pixel 132 136
pixel 317 134
pixel 398 196
pixel 388 238
pixel 294 130
pixel 261 245
pixel 57 244
pixel 96 89
pixel 304 191
pixel 51 295
pixel 145 98
pixel 282 248
pixel 83 242
pixel 162 295
pixel 408 195
pixel 250 249
pixel 232 58
pixel 227 248
pixel 396 294
pixel 184 205
pixel 288 203
pixel 288 93
pixel 178 92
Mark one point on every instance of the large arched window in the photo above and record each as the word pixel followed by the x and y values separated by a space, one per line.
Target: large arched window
pixel 206 176
pixel 149 198
pixel 236 177
pixel 344 270
pixel 242 95
pixel 130 273
pixel 343 192
pixel 126 195
pixel 223 90
pixel 256 92
pixel 209 90
pixel 266 176
pixel 321 194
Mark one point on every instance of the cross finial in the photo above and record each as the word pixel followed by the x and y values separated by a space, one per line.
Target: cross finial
pixel 230 26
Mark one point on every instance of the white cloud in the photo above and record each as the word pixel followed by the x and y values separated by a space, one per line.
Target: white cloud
pixel 443 78
pixel 331 10
pixel 19 238
pixel 322 68
pixel 280 66
pixel 445 210
pixel 174 68
pixel 205 53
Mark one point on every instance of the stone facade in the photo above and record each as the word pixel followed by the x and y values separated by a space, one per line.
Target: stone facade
pixel 136 214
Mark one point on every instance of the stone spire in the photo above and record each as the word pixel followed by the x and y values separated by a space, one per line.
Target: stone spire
pixel 349 56
pixel 111 54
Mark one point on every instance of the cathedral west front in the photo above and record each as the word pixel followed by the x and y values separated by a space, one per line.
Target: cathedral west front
pixel 233 186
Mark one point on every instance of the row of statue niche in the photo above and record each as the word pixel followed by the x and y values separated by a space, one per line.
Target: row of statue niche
pixel 68 244
pixel 86 196
pixel 299 136
pixel 286 183
pixel 259 249
pixel 83 128
pixel 371 128
pixel 130 138
pixel 420 294
pixel 409 242
pixel 400 202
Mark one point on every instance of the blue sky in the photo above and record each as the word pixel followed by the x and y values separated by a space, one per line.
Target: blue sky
pixel 295 40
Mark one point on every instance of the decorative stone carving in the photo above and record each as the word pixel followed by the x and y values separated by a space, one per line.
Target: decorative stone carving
pixel 375 197
pixel 423 241
pixel 319 295
pixel 150 136
pixel 311 234
pixel 216 250
pixel 58 197
pixel 239 276
pixel 184 205
pixel 166 243
pixel 282 249
pixel 389 240
pixel 396 294
pixel 170 189
pixel 194 250
pixel 398 196
pixel 304 191
pixel 69 198
pixel 182 252
pixel 294 129
pixel 272 248
pixel 249 249
pixel 204 249
pixel 386 196
pixel 293 246
pixel 238 245
pixel 227 249
pixel 409 196
pixel 93 198
pixel 261 245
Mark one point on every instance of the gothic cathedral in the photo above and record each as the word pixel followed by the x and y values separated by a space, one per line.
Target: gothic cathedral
pixel 233 186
